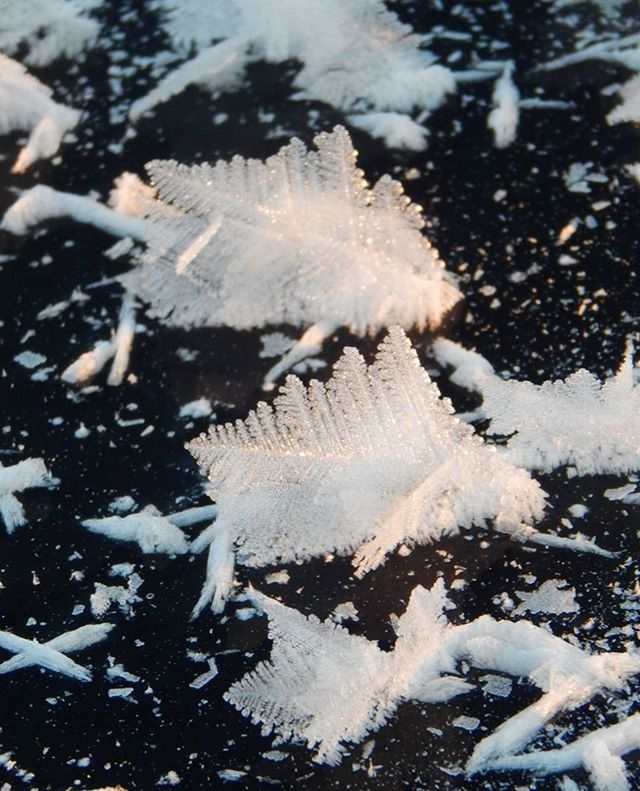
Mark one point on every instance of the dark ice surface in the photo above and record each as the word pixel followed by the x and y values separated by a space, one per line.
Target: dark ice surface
pixel 543 324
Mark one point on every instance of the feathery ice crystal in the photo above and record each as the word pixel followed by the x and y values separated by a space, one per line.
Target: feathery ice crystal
pixel 371 460
pixel 300 238
pixel 601 436
pixel 27 474
pixel 355 55
pixel 326 687
pixel 26 105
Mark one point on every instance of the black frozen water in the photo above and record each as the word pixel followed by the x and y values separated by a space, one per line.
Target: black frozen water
pixel 544 323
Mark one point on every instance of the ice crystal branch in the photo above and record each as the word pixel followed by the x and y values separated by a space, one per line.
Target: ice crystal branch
pixel 602 435
pixel 150 530
pixel 27 474
pixel 373 459
pixel 43 203
pixel 300 238
pixel 52 655
pixel 26 105
pixel 599 752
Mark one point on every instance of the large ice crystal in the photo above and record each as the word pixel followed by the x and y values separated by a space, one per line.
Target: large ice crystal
pixel 371 460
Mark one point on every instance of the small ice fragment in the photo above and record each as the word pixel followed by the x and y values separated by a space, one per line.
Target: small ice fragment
pixel 275 344
pixel 201 407
pixel 498 686
pixel 51 311
pixel 466 723
pixel 621 492
pixel 120 692
pixel 275 755
pixel 81 432
pixel 551 597
pixel 122 570
pixel 172 778
pixel 206 677
pixel 232 775
pixel 277 578
pixel 29 359
pixel 122 505
pixel 578 510
pixel 118 671
pixel 345 612
pixel 568 230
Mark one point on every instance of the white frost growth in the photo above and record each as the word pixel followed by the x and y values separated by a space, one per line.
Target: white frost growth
pixel 42 203
pixel 324 687
pixel 599 752
pixel 49 29
pixel 552 597
pixel 503 119
pixel 152 532
pixel 354 55
pixel 396 129
pixel 372 459
pixel 299 239
pixel 27 474
pixel 568 676
pixel 52 654
pixel 26 106
pixel 601 436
